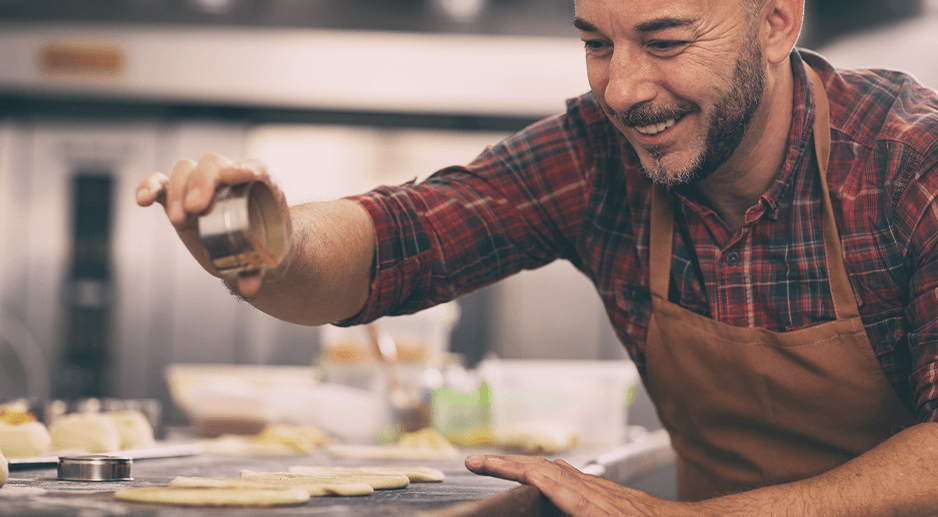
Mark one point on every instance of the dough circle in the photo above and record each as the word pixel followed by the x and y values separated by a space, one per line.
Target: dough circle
pixel 415 474
pixel 313 488
pixel 241 497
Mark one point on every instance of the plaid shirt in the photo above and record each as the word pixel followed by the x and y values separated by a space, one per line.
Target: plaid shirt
pixel 569 187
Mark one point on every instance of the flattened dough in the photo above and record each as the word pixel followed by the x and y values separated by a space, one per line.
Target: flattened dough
pixel 242 497
pixel 313 488
pixel 377 481
pixel 414 474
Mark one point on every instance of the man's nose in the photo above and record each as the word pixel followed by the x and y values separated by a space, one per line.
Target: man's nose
pixel 632 81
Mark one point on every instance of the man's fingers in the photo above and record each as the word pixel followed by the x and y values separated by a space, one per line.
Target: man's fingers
pixel 507 467
pixel 572 491
pixel 152 189
pixel 176 191
pixel 245 171
pixel 571 498
pixel 202 181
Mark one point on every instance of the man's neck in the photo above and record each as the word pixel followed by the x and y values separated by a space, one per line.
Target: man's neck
pixel 739 183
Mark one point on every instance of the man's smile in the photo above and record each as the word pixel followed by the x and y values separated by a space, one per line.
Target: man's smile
pixel 654 129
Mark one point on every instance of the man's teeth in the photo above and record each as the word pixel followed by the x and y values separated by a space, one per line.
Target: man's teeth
pixel 654 129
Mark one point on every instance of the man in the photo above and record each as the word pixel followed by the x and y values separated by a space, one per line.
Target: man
pixel 775 281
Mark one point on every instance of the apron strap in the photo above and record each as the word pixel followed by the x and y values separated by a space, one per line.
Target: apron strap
pixel 662 221
pixel 659 247
pixel 845 301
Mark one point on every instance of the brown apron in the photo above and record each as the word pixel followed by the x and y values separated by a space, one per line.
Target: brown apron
pixel 746 407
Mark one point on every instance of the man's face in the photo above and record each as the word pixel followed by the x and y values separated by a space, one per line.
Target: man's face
pixel 681 80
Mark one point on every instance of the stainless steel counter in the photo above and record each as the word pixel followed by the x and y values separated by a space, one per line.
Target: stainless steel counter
pixel 36 491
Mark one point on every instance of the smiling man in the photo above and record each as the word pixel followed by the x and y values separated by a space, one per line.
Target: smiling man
pixel 653 92
pixel 761 227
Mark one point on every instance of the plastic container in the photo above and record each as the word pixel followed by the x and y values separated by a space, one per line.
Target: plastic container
pixel 588 399
pixel 404 369
pixel 422 337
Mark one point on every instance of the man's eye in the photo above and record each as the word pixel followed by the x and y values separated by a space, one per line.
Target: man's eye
pixel 667 45
pixel 595 45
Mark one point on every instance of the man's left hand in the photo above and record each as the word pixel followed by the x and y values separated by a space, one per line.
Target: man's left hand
pixel 572 491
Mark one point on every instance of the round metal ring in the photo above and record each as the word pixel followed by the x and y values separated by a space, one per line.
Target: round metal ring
pixel 95 467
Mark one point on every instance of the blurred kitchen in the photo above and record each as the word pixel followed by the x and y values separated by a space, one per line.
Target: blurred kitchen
pixel 98 298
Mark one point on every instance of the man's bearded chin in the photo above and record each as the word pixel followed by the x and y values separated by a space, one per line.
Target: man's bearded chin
pixel 656 172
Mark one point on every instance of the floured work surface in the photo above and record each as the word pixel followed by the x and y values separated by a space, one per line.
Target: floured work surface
pixel 37 492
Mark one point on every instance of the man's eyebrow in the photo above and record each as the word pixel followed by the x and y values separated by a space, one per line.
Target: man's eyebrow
pixel 658 24
pixel 584 25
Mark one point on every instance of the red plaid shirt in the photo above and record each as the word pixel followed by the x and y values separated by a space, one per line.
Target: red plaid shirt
pixel 569 187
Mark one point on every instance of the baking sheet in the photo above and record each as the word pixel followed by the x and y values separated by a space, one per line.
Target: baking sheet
pixel 161 450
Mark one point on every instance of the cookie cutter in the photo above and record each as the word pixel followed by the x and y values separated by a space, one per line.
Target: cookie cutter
pixel 95 467
pixel 245 229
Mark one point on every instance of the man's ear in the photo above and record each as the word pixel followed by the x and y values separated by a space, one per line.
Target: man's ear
pixel 780 23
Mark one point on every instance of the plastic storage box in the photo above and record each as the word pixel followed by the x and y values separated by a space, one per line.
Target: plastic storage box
pixel 586 398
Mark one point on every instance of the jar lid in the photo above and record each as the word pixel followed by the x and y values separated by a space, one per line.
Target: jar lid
pixel 95 467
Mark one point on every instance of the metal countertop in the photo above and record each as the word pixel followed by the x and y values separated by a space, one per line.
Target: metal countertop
pixel 36 491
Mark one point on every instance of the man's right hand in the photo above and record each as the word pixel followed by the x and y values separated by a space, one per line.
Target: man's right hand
pixel 188 192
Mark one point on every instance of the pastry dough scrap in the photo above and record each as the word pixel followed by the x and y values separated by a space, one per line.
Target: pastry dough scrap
pixel 240 497
pixel 377 481
pixel 414 474
pixel 313 487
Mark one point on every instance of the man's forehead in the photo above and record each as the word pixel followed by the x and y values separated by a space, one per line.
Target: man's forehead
pixel 650 15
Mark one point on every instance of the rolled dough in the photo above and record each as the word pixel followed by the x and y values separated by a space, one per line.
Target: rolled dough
pixel 313 487
pixel 414 474
pixel 243 497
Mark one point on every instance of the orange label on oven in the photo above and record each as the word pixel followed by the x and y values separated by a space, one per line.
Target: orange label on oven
pixel 81 59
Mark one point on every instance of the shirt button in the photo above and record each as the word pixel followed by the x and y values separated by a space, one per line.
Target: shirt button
pixel 732 258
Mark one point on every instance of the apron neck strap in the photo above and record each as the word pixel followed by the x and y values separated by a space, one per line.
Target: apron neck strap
pixel 662 221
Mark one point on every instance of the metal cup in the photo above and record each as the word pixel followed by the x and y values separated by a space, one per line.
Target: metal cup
pixel 245 229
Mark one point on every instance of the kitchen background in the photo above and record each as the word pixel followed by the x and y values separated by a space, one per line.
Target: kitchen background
pixel 97 296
